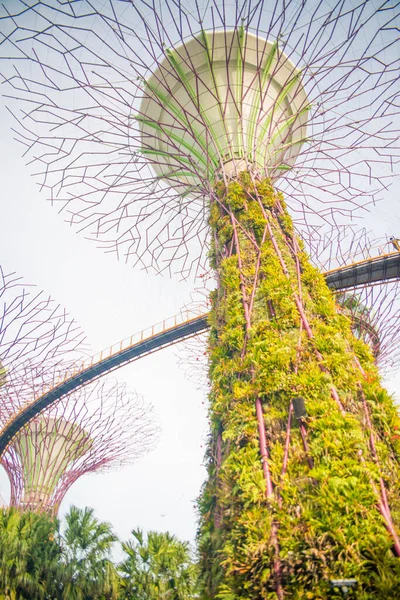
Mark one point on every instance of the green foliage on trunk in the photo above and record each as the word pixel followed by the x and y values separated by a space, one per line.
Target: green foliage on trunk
pixel 326 518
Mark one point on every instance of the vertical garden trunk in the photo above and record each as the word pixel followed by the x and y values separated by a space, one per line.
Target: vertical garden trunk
pixel 290 503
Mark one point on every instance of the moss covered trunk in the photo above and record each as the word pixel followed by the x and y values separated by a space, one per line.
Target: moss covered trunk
pixel 290 503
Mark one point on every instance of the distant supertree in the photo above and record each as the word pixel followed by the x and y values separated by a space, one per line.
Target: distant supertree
pixel 152 123
pixel 375 316
pixel 102 426
pixel 374 310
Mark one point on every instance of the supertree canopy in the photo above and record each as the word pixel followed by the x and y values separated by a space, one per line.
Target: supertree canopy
pixel 250 76
pixel 100 427
pixel 153 123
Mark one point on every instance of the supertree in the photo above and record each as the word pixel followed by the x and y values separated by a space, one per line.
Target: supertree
pixel 153 123
pixel 100 427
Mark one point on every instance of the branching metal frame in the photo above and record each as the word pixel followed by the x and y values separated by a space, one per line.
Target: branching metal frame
pixel 36 335
pixel 79 71
pixel 97 427
pixel 101 427
pixel 136 166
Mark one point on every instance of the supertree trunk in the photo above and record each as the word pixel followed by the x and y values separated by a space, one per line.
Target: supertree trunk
pixel 293 498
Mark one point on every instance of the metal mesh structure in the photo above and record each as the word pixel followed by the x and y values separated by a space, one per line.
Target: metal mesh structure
pixel 36 336
pixel 375 314
pixel 378 303
pixel 81 71
pixel 151 124
pixel 103 426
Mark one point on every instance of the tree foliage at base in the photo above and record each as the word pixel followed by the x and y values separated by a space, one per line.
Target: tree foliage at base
pixel 88 572
pixel 158 567
pixel 322 519
pixel 29 556
pixel 38 562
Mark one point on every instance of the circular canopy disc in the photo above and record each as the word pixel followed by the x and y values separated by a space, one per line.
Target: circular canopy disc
pixel 225 100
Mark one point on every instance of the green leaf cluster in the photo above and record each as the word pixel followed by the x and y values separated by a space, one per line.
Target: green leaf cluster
pixel 41 559
pixel 157 567
pixel 327 518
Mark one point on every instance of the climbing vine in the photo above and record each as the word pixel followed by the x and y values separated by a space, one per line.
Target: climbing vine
pixel 290 503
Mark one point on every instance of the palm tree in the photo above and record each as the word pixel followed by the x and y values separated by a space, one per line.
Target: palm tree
pixel 157 568
pixel 89 573
pixel 29 555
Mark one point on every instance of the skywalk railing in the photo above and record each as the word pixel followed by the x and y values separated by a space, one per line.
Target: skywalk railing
pixel 148 333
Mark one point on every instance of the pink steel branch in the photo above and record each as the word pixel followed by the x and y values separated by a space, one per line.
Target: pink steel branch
pixel 81 128
pixel 36 335
pixel 107 427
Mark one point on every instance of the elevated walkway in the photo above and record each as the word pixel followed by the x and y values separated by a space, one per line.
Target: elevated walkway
pixel 380 269
pixel 366 272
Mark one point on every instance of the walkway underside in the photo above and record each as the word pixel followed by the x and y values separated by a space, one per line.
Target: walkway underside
pixel 368 272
